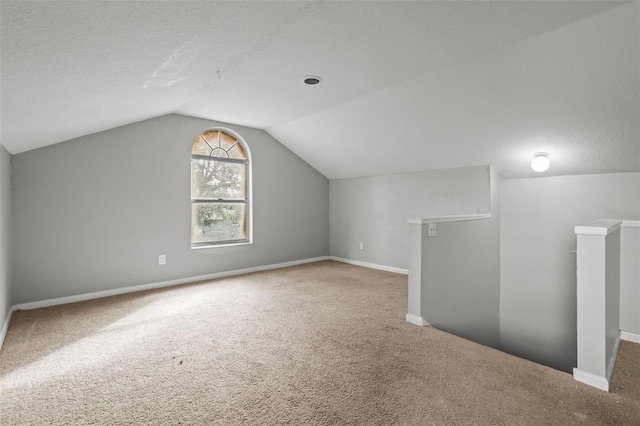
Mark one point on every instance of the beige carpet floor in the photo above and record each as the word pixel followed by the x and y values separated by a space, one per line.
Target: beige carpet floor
pixel 323 343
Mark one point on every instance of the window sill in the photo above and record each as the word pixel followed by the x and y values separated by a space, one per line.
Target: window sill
pixel 212 246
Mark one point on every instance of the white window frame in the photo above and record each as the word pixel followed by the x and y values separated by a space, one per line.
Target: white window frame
pixel 248 201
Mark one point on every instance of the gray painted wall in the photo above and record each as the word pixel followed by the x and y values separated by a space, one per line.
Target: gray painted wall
pixel 95 212
pixel 5 234
pixel 538 268
pixel 461 276
pixel 375 210
pixel 630 280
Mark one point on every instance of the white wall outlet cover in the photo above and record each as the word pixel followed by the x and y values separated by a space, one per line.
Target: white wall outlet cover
pixel 162 259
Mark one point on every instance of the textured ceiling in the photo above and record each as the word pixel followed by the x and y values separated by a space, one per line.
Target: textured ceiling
pixel 407 85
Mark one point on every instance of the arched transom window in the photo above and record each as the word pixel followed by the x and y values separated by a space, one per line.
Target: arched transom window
pixel 220 189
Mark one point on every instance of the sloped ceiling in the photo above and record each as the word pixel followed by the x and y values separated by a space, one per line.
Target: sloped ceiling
pixel 407 86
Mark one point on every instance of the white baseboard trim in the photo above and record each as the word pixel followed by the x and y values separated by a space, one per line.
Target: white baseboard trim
pixel 612 359
pixel 591 379
pixel 599 382
pixel 370 265
pixel 5 326
pixel 151 286
pixel 630 337
pixel 414 319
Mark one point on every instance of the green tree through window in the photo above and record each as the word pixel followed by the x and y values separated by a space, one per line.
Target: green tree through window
pixel 219 189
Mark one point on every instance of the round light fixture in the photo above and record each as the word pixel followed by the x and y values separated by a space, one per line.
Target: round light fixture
pixel 312 80
pixel 540 162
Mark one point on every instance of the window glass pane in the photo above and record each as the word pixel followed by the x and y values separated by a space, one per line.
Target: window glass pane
pixel 227 141
pixel 212 137
pixel 200 147
pixel 214 222
pixel 236 151
pixel 212 179
pixel 218 144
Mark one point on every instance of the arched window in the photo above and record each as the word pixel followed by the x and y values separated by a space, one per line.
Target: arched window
pixel 220 189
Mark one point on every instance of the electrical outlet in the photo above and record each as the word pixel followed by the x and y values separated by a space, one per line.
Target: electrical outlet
pixel 361 245
pixel 432 230
pixel 162 259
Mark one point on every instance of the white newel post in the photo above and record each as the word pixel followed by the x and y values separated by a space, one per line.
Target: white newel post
pixel 414 310
pixel 598 297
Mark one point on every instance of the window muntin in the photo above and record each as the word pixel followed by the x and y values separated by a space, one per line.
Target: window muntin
pixel 216 143
pixel 219 190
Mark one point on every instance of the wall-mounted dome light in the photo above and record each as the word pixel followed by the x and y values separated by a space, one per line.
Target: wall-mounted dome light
pixel 540 162
pixel 312 80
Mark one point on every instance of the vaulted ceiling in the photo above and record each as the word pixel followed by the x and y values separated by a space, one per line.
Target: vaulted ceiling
pixel 407 86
